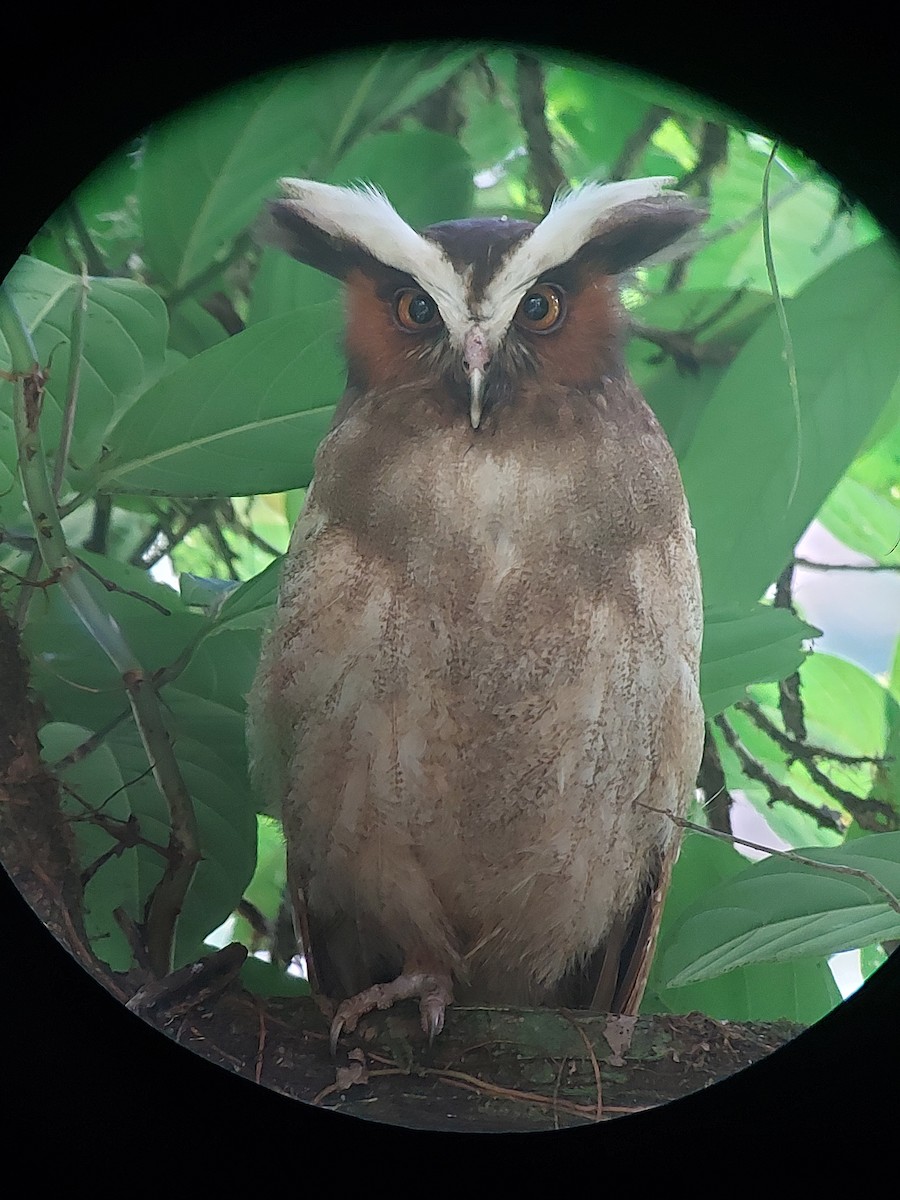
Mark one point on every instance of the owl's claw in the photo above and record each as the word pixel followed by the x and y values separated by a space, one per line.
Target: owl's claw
pixel 434 993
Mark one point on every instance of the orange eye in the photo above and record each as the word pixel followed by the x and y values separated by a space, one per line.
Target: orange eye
pixel 541 309
pixel 415 310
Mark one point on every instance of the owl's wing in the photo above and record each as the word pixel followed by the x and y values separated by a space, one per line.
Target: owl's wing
pixel 635 954
pixel 614 978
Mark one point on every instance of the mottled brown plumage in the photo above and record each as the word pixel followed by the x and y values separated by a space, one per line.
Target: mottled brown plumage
pixel 481 680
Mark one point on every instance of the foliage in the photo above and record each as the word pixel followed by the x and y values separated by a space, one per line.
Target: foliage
pixel 209 370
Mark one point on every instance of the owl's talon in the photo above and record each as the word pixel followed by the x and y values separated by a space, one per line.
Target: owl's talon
pixel 434 993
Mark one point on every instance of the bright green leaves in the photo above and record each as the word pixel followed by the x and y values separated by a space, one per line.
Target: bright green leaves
pixel 177 405
pixel 740 468
pixel 241 418
pixel 747 645
pixel 427 176
pixel 205 174
pixel 209 662
pixel 780 910
pixel 799 989
pixel 125 330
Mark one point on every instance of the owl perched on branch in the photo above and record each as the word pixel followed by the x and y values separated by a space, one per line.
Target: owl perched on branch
pixel 481 684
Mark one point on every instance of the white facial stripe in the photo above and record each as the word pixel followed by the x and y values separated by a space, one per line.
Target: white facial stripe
pixel 573 220
pixel 365 216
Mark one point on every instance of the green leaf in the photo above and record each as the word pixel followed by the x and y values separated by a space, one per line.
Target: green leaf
pixel 744 644
pixel 74 677
pixel 250 605
pixel 864 520
pixel 243 418
pixel 282 285
pixel 801 991
pixel 739 469
pixel 598 111
pixel 491 131
pixel 677 395
pixel 846 708
pixel 427 176
pixel 227 825
pixel 227 154
pixel 808 232
pixel 100 782
pixel 208 594
pixel 125 331
pixel 269 979
pixel 778 910
pixel 193 329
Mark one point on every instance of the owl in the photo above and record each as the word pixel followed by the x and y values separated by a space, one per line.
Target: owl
pixel 480 688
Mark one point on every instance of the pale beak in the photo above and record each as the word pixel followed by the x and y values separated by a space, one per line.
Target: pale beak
pixel 476 360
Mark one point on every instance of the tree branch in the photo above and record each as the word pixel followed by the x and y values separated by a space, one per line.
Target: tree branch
pixel 817 566
pixel 824 816
pixel 863 810
pixel 546 172
pixel 634 146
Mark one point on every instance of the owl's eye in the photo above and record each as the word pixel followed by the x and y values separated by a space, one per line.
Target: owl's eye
pixel 415 310
pixel 541 309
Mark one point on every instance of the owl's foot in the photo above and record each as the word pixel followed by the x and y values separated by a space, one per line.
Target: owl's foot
pixel 434 991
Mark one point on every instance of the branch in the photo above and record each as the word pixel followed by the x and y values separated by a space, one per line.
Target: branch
pixel 183 851
pixel 715 787
pixel 683 344
pixel 490 1069
pixel 824 816
pixel 790 702
pixel 92 256
pixel 713 153
pixel 804 860
pixel 546 171
pixel 817 566
pixel 634 146
pixel 861 809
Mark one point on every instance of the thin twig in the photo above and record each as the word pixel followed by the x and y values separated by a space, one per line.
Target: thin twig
pixel 858 806
pixel 824 816
pixel 838 868
pixel 92 256
pixel 593 1057
pixel 115 587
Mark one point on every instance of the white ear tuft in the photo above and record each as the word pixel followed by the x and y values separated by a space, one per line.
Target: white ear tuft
pixel 575 217
pixel 364 216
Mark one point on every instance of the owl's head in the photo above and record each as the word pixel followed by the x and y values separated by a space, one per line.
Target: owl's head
pixel 487 307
